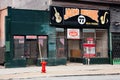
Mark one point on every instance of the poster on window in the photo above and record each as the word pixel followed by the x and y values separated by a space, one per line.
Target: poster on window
pixel 73 34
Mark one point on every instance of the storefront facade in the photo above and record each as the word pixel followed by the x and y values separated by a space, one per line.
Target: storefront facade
pixel 31 36
pixel 79 37
pixel 29 39
pixel 106 47
pixel 85 31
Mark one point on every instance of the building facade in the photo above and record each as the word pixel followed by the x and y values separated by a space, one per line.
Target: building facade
pixel 30 39
pixel 59 32
pixel 112 33
pixel 91 25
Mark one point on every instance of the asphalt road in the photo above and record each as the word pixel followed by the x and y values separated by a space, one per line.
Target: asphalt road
pixel 96 77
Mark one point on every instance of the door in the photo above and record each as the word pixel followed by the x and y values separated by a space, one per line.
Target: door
pixel 74 50
pixel 31 51
pixel 73 42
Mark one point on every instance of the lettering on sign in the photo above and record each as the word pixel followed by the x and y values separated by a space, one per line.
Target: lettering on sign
pixel 91 23
pixel 73 34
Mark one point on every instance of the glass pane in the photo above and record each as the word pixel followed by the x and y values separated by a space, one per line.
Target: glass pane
pixel 31 48
pixel 74 50
pixel 18 46
pixel 101 43
pixel 60 45
pixel 60 48
pixel 42 46
pixel 89 43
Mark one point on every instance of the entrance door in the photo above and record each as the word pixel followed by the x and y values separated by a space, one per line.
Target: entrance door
pixel 73 41
pixel 74 50
pixel 31 51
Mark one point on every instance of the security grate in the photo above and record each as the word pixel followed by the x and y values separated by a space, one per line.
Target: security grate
pixel 116 45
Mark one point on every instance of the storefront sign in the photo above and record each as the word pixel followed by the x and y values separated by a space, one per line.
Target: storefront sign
pixel 79 17
pixel 73 34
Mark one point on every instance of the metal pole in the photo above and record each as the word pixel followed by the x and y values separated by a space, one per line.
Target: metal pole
pixel 88 61
pixel 40 51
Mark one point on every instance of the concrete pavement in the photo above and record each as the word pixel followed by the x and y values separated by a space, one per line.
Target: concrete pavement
pixel 71 69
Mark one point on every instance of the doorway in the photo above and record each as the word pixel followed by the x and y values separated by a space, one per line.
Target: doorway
pixel 31 51
pixel 35 48
pixel 74 50
pixel 73 45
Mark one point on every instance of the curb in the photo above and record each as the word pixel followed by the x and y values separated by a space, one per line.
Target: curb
pixel 87 75
pixel 65 76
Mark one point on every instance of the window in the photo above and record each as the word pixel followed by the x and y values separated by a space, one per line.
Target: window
pixel 60 45
pixel 100 39
pixel 101 43
pixel 42 41
pixel 18 47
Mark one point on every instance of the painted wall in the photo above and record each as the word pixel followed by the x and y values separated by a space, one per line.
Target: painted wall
pixel 3 13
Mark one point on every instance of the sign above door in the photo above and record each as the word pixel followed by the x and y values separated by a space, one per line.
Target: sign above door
pixel 79 17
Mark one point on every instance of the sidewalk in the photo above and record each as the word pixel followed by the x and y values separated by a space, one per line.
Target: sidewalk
pixel 72 69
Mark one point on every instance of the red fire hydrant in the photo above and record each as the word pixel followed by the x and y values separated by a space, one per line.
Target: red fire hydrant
pixel 43 70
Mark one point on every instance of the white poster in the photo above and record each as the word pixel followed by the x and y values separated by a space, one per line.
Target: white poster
pixel 73 34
